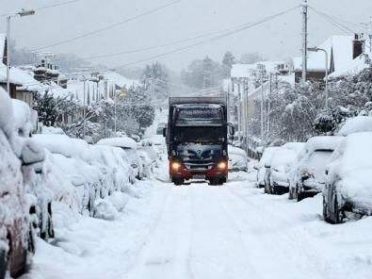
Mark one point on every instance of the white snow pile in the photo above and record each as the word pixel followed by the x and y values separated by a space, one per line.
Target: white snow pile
pixel 122 142
pixel 356 125
pixel 352 169
pixel 85 174
pixel 24 118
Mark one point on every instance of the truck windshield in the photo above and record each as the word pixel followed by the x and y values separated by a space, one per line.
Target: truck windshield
pixel 209 114
pixel 202 135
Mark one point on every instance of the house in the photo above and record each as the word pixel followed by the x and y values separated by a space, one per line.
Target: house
pixel 342 51
pixel 22 84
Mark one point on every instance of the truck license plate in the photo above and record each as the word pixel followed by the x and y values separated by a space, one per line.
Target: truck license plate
pixel 199 176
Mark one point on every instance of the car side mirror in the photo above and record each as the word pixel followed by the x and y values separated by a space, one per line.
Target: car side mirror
pixel 32 153
pixel 164 132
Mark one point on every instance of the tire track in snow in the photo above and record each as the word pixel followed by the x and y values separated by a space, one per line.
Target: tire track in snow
pixel 168 252
pixel 311 266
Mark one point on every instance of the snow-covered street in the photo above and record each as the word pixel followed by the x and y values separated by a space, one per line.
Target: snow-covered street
pixel 202 231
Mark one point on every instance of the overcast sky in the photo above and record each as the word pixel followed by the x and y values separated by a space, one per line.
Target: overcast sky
pixel 277 39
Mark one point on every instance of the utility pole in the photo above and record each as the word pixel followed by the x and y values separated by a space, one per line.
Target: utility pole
pixel 84 107
pixel 370 34
pixel 262 105
pixel 8 54
pixel 268 103
pixel 304 43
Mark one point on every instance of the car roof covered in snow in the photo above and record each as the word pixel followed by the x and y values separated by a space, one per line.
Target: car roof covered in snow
pixel 62 144
pixel 267 155
pixel 236 150
pixel 356 125
pixel 323 143
pixel 122 142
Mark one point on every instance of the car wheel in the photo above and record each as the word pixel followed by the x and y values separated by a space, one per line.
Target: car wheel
pixel 31 241
pixel 339 213
pixel 3 263
pixel 325 210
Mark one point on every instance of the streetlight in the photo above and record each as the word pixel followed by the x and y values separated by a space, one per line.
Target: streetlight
pixel 22 13
pixel 316 49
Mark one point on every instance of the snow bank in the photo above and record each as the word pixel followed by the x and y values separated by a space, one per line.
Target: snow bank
pixel 24 120
pixel 6 112
pixel 356 125
pixel 122 142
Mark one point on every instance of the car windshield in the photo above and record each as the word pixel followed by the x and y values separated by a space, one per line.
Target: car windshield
pixel 317 162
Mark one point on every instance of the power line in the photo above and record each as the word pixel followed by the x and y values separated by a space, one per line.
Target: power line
pixel 49 6
pixel 155 47
pixel 215 38
pixel 110 26
pixel 333 20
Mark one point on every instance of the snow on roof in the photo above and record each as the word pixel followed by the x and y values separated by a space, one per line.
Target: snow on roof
pixel 356 125
pixel 122 142
pixel 242 70
pixel 323 143
pixel 340 46
pixel 247 70
pixel 62 144
pixel 58 91
pixel 355 67
pixel 22 78
pixel 120 80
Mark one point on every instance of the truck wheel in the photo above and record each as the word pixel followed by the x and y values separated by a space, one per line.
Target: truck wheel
pixel 178 181
pixel 217 181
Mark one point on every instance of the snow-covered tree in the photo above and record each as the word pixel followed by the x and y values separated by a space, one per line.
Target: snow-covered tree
pixel 227 62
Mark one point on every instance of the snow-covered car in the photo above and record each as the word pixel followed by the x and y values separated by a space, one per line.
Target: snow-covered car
pixel 130 148
pixel 356 124
pixel 282 163
pixel 35 176
pixel 349 179
pixel 263 166
pixel 16 233
pixel 238 159
pixel 308 178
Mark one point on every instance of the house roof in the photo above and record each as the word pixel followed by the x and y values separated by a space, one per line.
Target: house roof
pixel 120 80
pixel 340 47
pixel 21 78
pixel 246 70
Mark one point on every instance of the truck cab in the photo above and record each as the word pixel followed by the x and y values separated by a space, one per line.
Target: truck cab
pixel 197 139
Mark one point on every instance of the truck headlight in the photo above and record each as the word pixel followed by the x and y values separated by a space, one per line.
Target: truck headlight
pixel 222 165
pixel 175 166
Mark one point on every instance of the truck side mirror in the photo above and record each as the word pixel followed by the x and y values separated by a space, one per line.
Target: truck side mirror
pixel 231 129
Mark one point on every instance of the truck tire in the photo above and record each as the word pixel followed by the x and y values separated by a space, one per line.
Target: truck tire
pixel 217 181
pixel 178 181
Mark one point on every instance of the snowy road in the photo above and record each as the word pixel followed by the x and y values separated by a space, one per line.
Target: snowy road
pixel 201 231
